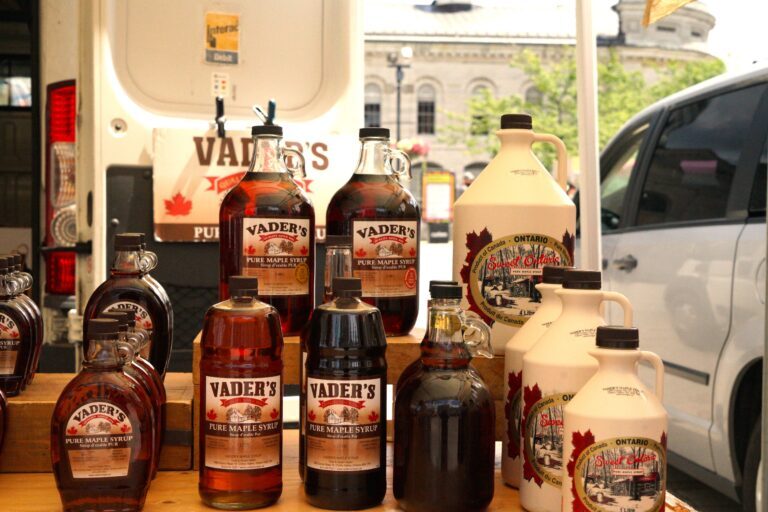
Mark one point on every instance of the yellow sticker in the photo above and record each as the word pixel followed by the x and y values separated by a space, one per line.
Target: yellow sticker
pixel 222 38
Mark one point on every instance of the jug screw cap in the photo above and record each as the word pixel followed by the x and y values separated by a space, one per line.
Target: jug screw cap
pixel 103 328
pixel 123 317
pixel 129 241
pixel 243 286
pixel 553 275
pixel 267 129
pixel 336 240
pixel 613 336
pixel 582 279
pixel 347 287
pixel 374 132
pixel 516 122
pixel 446 291
pixel 434 283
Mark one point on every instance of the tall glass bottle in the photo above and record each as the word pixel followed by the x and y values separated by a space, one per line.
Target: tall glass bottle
pixel 345 413
pixel 102 431
pixel 267 230
pixel 444 416
pixel 383 219
pixel 128 289
pixel 25 281
pixel 241 427
pixel 17 333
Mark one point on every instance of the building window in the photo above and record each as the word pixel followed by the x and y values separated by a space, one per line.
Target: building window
pixel 695 33
pixel 479 126
pixel 533 95
pixel 425 122
pixel 665 28
pixel 372 107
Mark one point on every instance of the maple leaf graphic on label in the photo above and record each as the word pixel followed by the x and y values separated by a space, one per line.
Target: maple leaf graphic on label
pixel 178 205
pixel 14 334
pixel 475 244
pixel 514 382
pixel 304 250
pixel 71 431
pixel 125 428
pixel 251 249
pixel 360 252
pixel 274 413
pixel 211 414
pixel 412 252
pixel 373 416
pixel 530 397
pixel 580 443
pixel 312 415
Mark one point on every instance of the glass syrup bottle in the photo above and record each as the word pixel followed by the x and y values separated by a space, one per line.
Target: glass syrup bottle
pixel 128 289
pixel 241 427
pixel 25 280
pixel 445 416
pixel 346 397
pixel 338 261
pixel 101 432
pixel 3 418
pixel 267 230
pixel 383 219
pixel 17 333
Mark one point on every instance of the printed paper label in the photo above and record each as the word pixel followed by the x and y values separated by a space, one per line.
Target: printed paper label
pixel 623 474
pixel 276 250
pixel 10 344
pixel 222 38
pixel 143 320
pixel 242 424
pixel 384 256
pixel 98 441
pixel 344 424
pixel 543 443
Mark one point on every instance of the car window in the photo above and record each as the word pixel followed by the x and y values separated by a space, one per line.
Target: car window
pixel 613 188
pixel 757 199
pixel 692 169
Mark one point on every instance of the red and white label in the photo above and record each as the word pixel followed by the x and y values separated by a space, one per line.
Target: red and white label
pixel 10 344
pixel 385 257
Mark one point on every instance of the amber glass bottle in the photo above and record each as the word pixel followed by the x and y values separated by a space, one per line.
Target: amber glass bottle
pixel 444 417
pixel 345 413
pixel 17 333
pixel 241 425
pixel 33 311
pixel 128 289
pixel 383 218
pixel 102 431
pixel 267 230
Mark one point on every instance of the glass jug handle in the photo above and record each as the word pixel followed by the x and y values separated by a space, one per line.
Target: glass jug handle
pixel 148 261
pixel 125 351
pixel 562 157
pixel 403 170
pixel 477 336
pixel 297 171
pixel 623 302
pixel 658 366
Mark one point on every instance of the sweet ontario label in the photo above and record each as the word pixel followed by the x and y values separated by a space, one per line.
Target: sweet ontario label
pixel 384 256
pixel 543 446
pixel 344 424
pixel 98 440
pixel 277 250
pixel 242 423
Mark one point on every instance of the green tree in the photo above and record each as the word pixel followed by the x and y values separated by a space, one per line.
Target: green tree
pixel 621 94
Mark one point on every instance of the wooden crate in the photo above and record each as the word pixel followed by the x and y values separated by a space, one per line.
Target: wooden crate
pixel 27 440
pixel 401 351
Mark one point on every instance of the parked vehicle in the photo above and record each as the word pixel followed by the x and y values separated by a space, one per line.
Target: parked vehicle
pixel 684 237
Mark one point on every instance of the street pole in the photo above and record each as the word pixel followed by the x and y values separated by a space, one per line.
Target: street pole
pixel 399 79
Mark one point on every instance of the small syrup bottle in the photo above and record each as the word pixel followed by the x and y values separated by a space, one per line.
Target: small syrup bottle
pixel 17 333
pixel 383 219
pixel 241 422
pixel 26 281
pixel 445 416
pixel 128 289
pixel 345 414
pixel 102 433
pixel 267 230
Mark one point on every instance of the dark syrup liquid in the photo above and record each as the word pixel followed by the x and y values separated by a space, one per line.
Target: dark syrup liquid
pixel 263 195
pixel 235 345
pixel 372 197
pixel 21 321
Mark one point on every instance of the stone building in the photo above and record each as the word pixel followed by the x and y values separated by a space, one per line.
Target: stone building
pixel 458 48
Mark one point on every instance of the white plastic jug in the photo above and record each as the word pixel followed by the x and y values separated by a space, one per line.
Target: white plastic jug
pixel 513 220
pixel 615 436
pixel 554 370
pixel 549 310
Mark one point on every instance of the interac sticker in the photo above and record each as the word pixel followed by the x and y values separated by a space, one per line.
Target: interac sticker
pixel 222 38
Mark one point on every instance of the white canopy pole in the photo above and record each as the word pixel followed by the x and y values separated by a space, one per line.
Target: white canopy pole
pixel 589 157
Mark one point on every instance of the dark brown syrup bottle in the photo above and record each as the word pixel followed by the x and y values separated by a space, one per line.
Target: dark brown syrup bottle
pixel 102 432
pixel 267 230
pixel 17 333
pixel 241 426
pixel 346 397
pixel 25 281
pixel 383 219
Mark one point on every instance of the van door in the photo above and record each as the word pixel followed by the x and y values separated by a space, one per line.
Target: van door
pixel 675 260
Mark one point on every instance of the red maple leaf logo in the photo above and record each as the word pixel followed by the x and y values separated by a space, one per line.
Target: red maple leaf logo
pixel 251 250
pixel 412 252
pixel 274 413
pixel 373 416
pixel 125 428
pixel 312 415
pixel 580 443
pixel 178 205
pixel 250 211
pixel 71 431
pixel 530 397
pixel 475 244
pixel 14 334
pixel 664 440
pixel 360 252
pixel 304 250
pixel 514 380
pixel 211 414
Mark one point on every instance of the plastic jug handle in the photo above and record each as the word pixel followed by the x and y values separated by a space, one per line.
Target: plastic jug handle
pixel 297 170
pixel 658 366
pixel 623 302
pixel 562 157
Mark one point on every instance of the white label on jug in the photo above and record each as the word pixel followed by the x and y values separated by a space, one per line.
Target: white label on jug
pixel 543 446
pixel 384 256
pixel 622 474
pixel 502 274
pixel 513 410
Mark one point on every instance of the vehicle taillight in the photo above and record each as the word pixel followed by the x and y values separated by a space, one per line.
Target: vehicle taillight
pixel 60 207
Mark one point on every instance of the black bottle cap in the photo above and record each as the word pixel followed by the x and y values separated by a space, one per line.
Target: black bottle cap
pixel 129 241
pixel 582 279
pixel 445 291
pixel 612 336
pixel 102 328
pixel 16 258
pixel 553 275
pixel 243 286
pixel 267 129
pixel 374 132
pixel 121 315
pixel 434 283
pixel 338 240
pixel 347 287
pixel 516 121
